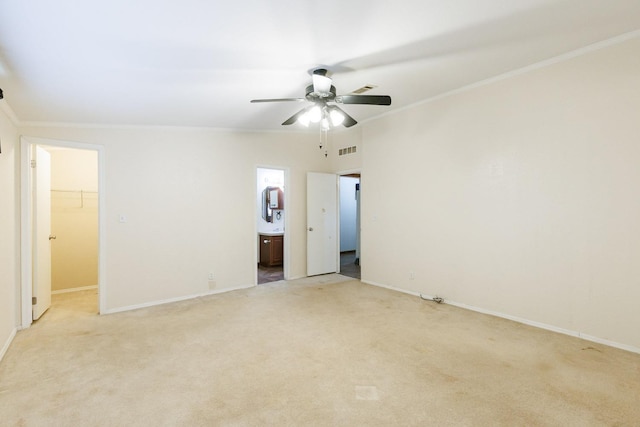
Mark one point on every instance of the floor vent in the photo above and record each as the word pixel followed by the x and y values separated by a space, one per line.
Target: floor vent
pixel 348 150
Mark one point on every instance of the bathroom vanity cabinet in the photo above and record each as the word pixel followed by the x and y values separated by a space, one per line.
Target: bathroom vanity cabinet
pixel 271 249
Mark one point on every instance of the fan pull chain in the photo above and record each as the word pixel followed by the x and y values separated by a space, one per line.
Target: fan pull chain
pixel 324 132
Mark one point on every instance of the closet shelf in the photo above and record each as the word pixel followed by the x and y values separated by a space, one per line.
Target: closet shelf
pixel 81 192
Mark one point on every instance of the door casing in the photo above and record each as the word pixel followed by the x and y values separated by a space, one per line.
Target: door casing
pixel 41 229
pixel 286 265
pixel 26 232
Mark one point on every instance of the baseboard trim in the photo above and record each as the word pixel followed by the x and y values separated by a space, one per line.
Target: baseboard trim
pixel 392 288
pixel 67 290
pixel 524 321
pixel 6 345
pixel 177 299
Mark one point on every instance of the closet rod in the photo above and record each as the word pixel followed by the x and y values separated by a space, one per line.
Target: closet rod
pixel 74 191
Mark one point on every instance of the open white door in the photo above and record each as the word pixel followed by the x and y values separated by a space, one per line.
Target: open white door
pixel 322 224
pixel 42 233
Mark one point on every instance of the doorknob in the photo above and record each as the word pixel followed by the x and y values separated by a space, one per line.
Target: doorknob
pixel 310 228
pixel 52 237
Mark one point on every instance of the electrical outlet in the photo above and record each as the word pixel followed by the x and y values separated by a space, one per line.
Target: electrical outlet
pixel 412 275
pixel 210 275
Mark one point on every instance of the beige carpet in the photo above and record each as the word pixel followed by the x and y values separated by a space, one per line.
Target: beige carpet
pixel 327 351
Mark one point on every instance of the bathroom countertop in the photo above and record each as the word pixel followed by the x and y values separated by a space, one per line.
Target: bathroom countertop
pixel 271 233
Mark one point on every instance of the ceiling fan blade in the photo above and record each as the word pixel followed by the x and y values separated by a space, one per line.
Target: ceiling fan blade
pixel 348 120
pixel 291 120
pixel 277 100
pixel 364 99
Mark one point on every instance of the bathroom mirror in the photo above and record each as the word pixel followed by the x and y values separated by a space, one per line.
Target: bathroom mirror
pixel 272 199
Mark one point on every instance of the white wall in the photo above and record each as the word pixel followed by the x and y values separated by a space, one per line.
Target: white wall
pixel 189 200
pixel 9 231
pixel 345 138
pixel 348 213
pixel 520 197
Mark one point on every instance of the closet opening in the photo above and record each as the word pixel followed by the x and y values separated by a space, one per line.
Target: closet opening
pixel 61 227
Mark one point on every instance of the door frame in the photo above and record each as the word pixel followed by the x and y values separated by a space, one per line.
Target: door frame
pixel 349 173
pixel 287 221
pixel 340 174
pixel 41 227
pixel 26 233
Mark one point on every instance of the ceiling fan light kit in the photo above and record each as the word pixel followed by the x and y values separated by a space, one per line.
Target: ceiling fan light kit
pixel 320 93
pixel 326 115
pixel 314 114
pixel 337 118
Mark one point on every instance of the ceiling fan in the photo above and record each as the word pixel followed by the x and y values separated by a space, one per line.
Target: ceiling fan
pixel 322 95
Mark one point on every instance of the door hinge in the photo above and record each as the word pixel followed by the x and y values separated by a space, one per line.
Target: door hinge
pixel 33 163
pixel 34 300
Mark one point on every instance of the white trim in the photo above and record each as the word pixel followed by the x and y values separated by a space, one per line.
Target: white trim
pixel 26 308
pixel 392 288
pixel 102 230
pixel 518 71
pixel 140 127
pixel 26 258
pixel 7 343
pixel 339 234
pixel 548 327
pixel 349 172
pixel 544 63
pixel 533 323
pixel 78 289
pixel 4 106
pixel 176 299
pixel 614 344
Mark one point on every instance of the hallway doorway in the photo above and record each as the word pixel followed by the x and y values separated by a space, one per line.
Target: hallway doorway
pixel 350 225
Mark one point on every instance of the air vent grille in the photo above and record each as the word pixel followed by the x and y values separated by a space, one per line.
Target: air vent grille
pixel 364 89
pixel 347 150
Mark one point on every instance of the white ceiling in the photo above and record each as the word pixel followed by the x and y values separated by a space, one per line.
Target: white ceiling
pixel 200 62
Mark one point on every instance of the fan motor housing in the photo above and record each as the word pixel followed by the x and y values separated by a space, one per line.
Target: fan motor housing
pixel 315 96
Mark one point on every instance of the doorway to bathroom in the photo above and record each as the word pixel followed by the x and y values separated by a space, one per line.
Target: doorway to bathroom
pixel 270 203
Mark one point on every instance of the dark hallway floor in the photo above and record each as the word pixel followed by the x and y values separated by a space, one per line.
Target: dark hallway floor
pixel 348 267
